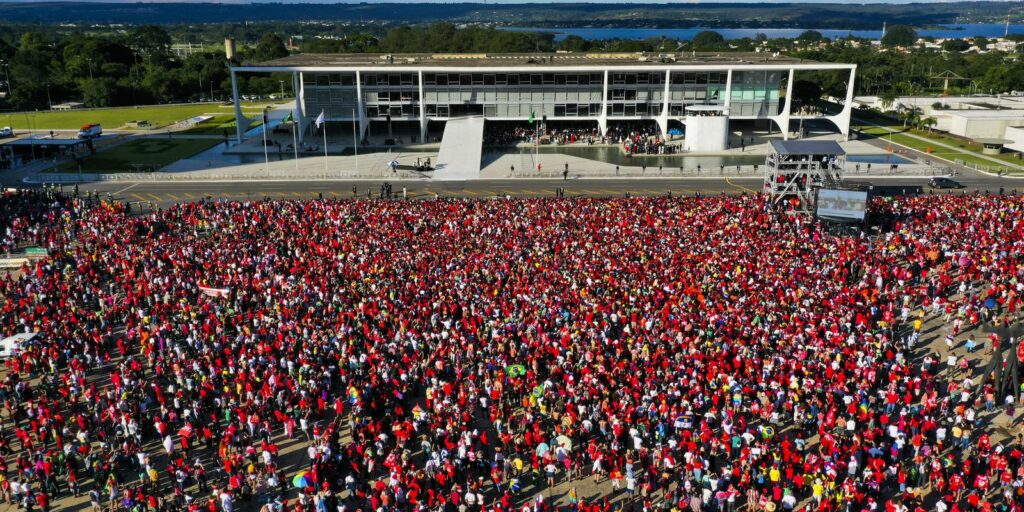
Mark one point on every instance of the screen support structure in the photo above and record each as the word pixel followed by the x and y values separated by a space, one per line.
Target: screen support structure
pixel 797 177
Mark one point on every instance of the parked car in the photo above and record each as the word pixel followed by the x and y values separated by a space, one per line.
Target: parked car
pixel 6 131
pixel 90 131
pixel 943 182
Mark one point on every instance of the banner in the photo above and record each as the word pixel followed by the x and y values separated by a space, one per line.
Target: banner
pixel 214 292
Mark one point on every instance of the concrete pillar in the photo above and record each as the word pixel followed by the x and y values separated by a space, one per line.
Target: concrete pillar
pixel 842 119
pixel 603 120
pixel 728 88
pixel 423 111
pixel 663 119
pixel 300 106
pixel 783 118
pixel 360 107
pixel 241 122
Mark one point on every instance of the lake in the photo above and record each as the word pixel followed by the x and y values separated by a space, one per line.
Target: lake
pixel 958 31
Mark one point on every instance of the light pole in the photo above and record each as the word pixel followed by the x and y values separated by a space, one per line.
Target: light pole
pixel 7 77
pixel 282 88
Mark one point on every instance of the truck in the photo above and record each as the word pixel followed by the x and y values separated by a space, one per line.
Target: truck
pixel 90 131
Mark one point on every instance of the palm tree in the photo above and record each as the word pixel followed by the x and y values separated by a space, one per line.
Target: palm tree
pixel 887 98
pixel 929 122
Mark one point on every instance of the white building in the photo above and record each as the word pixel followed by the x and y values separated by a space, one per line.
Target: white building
pixel 421 89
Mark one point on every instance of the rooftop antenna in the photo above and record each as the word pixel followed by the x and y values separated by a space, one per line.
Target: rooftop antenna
pixel 1007 32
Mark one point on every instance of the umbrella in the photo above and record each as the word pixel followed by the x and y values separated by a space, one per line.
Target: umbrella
pixel 675 131
pixel 302 480
pixel 542 449
pixel 515 370
pixel 564 442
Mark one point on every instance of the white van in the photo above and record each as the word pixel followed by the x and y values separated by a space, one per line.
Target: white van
pixel 6 131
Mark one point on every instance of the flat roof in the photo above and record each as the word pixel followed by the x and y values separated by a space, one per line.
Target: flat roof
pixel 29 141
pixel 986 114
pixel 499 60
pixel 807 147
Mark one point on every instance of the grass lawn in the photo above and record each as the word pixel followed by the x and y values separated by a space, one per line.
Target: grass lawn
pixel 922 145
pixel 217 126
pixel 153 153
pixel 158 116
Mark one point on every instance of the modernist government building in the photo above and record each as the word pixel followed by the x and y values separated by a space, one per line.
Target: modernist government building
pixel 699 93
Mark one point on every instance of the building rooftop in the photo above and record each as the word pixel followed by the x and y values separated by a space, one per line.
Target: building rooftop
pixel 987 114
pixel 524 59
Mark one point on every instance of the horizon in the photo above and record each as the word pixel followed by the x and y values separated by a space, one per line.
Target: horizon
pixel 508 2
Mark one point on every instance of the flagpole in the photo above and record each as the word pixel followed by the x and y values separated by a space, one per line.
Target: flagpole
pixel 355 139
pixel 295 144
pixel 266 155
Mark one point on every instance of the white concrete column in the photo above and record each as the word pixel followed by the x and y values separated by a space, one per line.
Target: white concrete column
pixel 783 118
pixel 241 122
pixel 842 119
pixel 360 107
pixel 423 111
pixel 300 107
pixel 728 88
pixel 663 119
pixel 602 121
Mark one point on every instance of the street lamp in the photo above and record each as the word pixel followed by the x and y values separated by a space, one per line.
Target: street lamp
pixel 282 88
pixel 7 77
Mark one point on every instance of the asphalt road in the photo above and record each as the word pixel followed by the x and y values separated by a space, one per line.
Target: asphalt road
pixel 165 193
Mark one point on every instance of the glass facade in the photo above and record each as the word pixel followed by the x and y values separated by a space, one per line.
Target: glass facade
pixel 557 95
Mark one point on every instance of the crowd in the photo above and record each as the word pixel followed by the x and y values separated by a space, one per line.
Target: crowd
pixel 636 354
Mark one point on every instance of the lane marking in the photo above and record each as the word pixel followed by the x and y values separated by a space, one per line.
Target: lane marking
pixel 123 190
pixel 190 196
pixel 140 198
pixel 172 196
pixel 155 197
pixel 741 187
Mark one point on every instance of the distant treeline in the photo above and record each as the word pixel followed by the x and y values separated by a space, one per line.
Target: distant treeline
pixel 667 15
pixel 138 65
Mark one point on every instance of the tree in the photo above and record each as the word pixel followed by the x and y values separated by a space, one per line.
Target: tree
pixel 899 36
pixel 929 122
pixel 153 42
pixel 707 39
pixel 806 92
pixel 270 47
pixel 99 92
pixel 955 45
pixel 981 42
pixel 887 99
pixel 574 43
pixel 810 36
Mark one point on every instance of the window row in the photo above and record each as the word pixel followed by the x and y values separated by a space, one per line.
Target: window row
pixel 700 78
pixel 544 96
pixel 512 78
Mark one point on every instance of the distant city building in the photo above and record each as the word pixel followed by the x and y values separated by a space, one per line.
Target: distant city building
pixel 71 105
pixel 562 87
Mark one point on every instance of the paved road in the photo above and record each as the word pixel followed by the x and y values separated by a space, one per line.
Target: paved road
pixel 164 193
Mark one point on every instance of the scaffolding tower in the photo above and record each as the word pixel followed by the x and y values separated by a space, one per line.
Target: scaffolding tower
pixel 796 169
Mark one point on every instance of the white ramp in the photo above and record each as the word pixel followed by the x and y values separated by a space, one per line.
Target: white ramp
pixel 461 150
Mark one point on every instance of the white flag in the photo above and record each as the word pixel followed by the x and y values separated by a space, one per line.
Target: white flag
pixel 319 119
